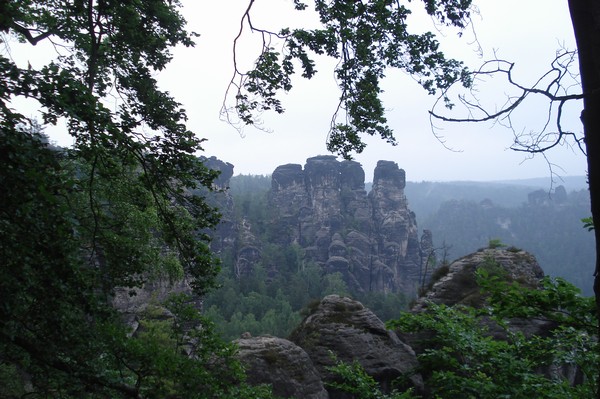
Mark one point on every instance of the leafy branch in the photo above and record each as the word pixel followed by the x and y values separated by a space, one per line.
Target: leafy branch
pixel 365 38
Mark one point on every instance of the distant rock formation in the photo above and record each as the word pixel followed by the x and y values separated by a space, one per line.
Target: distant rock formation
pixel 371 239
pixel 226 232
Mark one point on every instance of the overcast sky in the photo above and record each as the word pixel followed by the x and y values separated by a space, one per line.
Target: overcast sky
pixel 526 32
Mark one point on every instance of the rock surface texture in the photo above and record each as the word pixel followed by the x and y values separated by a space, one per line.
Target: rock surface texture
pixel 458 285
pixel 340 328
pixel 370 239
pixel 283 364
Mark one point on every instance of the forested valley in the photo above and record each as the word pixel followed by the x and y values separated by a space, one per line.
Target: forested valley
pixel 127 266
pixel 463 218
pixel 544 221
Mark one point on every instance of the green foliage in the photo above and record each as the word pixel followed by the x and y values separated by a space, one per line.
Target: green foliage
pixel 558 301
pixel 116 210
pixel 494 243
pixel 588 223
pixel 356 382
pixel 250 304
pixel 463 359
pixel 366 38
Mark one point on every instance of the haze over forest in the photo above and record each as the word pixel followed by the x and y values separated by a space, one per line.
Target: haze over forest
pixel 135 265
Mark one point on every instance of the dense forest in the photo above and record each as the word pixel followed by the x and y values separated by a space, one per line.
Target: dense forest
pixel 548 226
pixel 114 282
pixel 273 304
pixel 552 230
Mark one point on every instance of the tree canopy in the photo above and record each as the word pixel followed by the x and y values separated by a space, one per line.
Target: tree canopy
pixel 365 38
pixel 116 210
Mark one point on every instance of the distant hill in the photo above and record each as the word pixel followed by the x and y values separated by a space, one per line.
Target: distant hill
pixel 425 197
pixel 570 183
pixel 529 214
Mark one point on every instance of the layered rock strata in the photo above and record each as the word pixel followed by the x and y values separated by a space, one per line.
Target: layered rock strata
pixel 371 239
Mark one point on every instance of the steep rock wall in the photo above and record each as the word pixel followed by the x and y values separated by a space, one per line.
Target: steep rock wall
pixel 371 239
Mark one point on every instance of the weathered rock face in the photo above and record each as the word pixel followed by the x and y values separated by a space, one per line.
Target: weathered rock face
pixel 372 240
pixel 345 328
pixel 132 302
pixel 459 286
pixel 281 363
pixel 224 234
pixel 397 239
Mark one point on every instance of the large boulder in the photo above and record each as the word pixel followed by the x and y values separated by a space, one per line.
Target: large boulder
pixel 458 284
pixel 281 363
pixel 340 328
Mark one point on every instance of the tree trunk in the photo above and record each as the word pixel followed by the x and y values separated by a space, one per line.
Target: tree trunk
pixel 585 16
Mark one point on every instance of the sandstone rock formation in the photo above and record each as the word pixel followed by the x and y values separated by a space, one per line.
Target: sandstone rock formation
pixel 281 363
pixel 340 328
pixel 371 239
pixel 458 285
pixel 132 302
pixel 226 231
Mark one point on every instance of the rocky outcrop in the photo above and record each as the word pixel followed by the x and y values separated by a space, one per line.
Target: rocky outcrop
pixel 458 285
pixel 223 236
pixel 371 239
pixel 340 328
pixel 133 302
pixel 337 329
pixel 225 170
pixel 396 226
pixel 281 363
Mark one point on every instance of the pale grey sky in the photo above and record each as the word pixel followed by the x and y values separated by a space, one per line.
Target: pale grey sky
pixel 526 32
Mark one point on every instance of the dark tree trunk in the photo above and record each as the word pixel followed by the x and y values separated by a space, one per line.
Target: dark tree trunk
pixel 585 16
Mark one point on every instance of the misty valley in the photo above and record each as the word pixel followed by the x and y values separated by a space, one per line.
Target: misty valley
pixel 308 231
pixel 134 267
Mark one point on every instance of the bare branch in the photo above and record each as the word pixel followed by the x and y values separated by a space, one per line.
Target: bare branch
pixel 239 78
pixel 556 86
pixel 28 35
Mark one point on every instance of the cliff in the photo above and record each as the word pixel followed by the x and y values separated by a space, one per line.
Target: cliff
pixel 371 239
